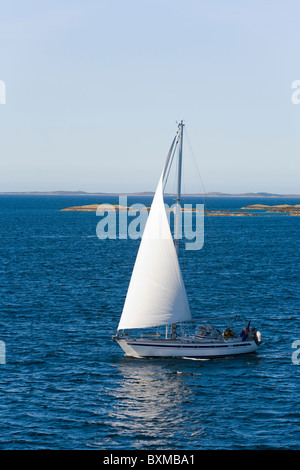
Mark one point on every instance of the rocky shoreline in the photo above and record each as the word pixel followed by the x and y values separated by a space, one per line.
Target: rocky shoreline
pixel 279 209
pixel 243 212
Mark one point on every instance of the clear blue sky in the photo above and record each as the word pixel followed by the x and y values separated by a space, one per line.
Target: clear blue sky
pixel 94 89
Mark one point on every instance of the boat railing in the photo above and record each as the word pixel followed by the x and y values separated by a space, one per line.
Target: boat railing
pixel 151 336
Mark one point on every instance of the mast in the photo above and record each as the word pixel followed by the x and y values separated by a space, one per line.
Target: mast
pixel 178 221
pixel 178 208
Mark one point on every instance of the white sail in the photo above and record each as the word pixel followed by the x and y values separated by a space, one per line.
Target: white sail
pixel 156 294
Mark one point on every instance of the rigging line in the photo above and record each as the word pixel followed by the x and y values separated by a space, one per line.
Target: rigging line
pixel 173 190
pixel 183 198
pixel 170 160
pixel 204 197
pixel 168 156
pixel 210 218
pixel 196 166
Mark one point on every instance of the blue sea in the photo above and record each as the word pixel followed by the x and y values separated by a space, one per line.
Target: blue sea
pixel 66 385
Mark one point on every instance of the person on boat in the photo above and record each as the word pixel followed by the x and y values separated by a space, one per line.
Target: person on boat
pixel 228 333
pixel 173 330
pixel 244 333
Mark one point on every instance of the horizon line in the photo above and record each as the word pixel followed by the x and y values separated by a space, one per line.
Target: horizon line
pixel 146 193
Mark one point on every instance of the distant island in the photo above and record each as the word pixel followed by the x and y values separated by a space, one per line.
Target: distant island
pixel 147 193
pixel 279 209
pixel 244 211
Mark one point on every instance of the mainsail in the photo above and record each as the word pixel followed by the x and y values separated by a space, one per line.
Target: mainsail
pixel 156 294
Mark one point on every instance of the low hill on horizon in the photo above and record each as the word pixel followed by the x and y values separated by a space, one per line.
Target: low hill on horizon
pixel 146 193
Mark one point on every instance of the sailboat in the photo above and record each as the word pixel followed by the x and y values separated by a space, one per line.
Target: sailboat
pixel 157 298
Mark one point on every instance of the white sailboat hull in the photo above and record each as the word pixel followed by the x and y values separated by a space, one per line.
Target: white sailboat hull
pixel 182 348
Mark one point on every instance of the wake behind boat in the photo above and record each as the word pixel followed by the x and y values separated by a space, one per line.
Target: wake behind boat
pixel 157 297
